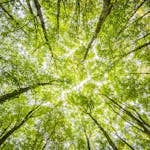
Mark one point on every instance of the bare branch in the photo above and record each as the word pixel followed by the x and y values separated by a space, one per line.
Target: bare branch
pixel 120 57
pixel 141 73
pixel 13 19
pixel 4 131
pixel 126 120
pixel 30 8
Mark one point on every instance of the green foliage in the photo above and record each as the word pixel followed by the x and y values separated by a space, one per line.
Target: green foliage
pixel 42 64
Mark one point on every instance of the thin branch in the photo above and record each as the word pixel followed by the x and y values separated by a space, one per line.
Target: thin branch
pixel 13 19
pixel 136 20
pixel 140 73
pixel 34 18
pixel 107 6
pixel 39 13
pixel 125 119
pixel 77 12
pixel 143 37
pixel 4 131
pixel 140 117
pixel 30 8
pixel 7 2
pixel 136 49
pixel 3 8
pixel 134 12
pixel 120 57
pixel 52 132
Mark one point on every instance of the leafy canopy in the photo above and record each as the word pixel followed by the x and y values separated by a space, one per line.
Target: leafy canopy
pixel 74 74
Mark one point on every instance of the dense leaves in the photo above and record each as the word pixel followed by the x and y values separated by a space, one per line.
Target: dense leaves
pixel 74 74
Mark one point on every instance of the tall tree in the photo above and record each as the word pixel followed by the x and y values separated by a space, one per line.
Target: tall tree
pixel 70 56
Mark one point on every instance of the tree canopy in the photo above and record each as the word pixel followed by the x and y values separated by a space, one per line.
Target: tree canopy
pixel 74 74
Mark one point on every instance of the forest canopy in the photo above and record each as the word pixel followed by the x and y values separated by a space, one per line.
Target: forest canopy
pixel 74 74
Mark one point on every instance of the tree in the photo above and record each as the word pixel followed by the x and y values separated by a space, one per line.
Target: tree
pixel 85 63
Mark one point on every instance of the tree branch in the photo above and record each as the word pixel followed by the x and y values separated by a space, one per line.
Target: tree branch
pixel 7 12
pixel 120 57
pixel 7 2
pixel 4 131
pixel 126 25
pixel 146 35
pixel 140 73
pixel 137 49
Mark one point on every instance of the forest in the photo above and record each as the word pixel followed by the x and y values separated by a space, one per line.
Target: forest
pixel 74 75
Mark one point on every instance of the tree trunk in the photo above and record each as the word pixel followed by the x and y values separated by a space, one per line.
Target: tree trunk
pixel 17 126
pixel 112 144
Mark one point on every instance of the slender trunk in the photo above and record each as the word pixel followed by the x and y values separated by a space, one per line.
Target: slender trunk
pixel 140 122
pixel 17 126
pixel 40 15
pixel 107 6
pixel 58 15
pixel 112 144
pixel 132 14
pixel 4 131
pixel 125 119
pixel 126 143
pixel 18 92
pixel 7 12
pixel 123 140
pixel 87 140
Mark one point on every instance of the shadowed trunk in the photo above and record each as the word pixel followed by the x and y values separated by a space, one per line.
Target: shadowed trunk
pixel 18 92
pixel 17 126
pixel 107 6
pixel 40 15
pixel 112 144
pixel 87 140
pixel 139 120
